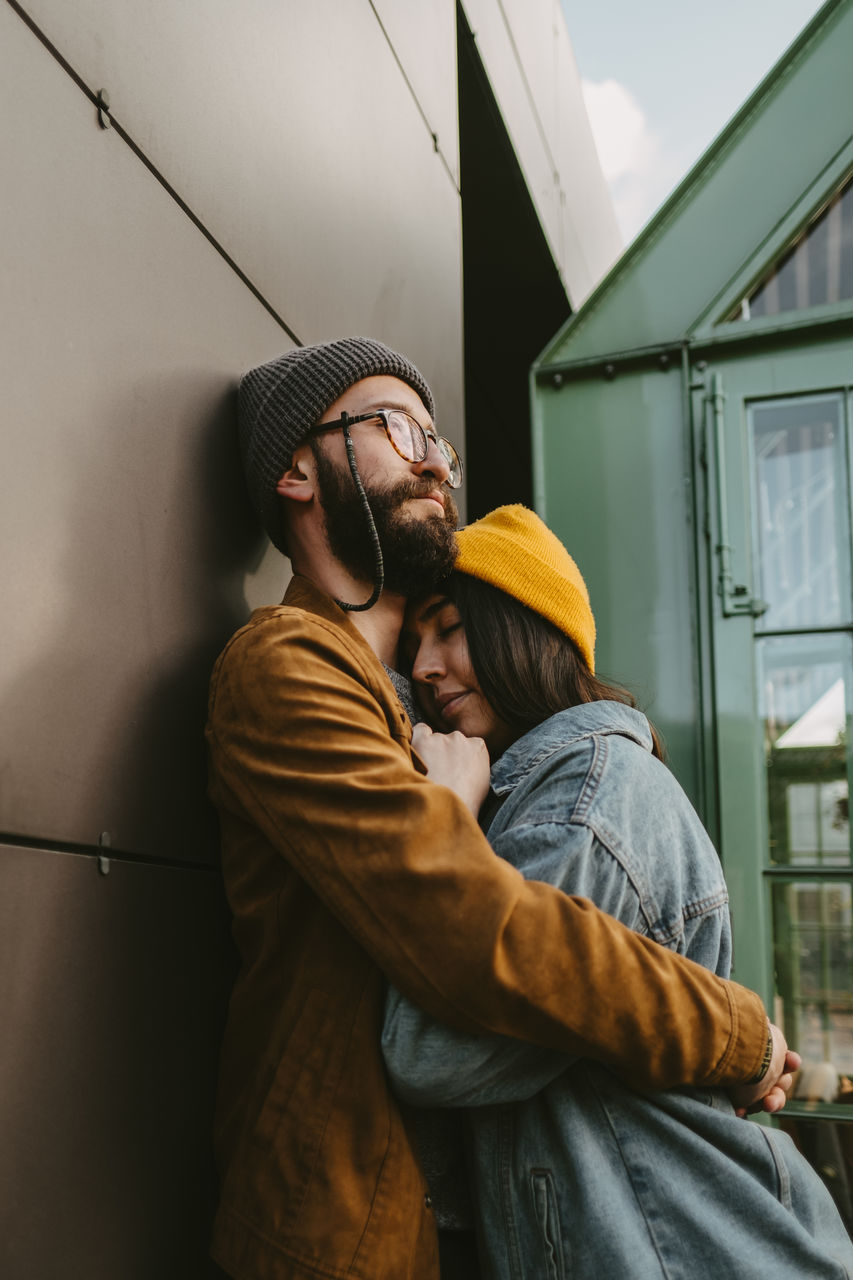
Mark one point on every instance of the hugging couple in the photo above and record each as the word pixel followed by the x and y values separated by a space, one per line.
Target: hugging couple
pixel 482 1025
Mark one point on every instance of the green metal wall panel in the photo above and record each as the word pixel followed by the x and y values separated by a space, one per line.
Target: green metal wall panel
pixel 614 485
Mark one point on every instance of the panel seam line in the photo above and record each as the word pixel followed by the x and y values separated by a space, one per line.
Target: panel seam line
pixel 154 171
pixel 415 98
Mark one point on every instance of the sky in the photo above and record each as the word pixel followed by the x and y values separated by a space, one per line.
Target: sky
pixel 661 78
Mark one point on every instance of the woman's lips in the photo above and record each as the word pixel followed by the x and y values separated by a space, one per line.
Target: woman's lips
pixel 449 703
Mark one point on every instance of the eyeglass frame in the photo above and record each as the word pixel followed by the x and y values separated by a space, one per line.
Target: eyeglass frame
pixel 346 420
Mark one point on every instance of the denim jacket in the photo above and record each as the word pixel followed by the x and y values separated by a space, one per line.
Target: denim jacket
pixel 574 1174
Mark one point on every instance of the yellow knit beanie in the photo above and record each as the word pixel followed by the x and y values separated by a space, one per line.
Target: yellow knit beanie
pixel 511 548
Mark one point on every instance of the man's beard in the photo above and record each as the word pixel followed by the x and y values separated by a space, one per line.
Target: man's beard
pixel 418 552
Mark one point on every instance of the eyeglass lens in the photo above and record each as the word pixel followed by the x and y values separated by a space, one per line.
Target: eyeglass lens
pixel 407 436
pixel 454 462
pixel 410 441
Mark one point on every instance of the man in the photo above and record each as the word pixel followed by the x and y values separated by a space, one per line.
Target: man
pixel 344 863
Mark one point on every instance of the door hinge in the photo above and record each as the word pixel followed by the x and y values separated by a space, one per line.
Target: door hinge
pixel 737 598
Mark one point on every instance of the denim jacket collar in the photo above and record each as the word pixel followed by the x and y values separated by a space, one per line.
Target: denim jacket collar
pixel 585 720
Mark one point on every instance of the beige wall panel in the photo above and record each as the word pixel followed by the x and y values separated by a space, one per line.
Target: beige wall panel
pixel 112 1001
pixel 126 536
pixel 290 130
pixel 424 39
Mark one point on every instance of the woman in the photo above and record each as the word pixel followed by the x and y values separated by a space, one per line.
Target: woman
pixel 574 1175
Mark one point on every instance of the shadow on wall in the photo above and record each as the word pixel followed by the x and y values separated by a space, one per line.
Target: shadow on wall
pixel 143 567
pixel 162 766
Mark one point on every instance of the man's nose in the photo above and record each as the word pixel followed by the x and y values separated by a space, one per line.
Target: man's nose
pixel 434 463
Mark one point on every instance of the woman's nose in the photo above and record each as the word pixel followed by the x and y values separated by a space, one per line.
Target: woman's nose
pixel 427 665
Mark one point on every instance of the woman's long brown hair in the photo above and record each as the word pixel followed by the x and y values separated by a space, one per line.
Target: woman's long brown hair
pixel 527 669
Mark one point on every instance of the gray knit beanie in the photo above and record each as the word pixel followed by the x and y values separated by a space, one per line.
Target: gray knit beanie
pixel 281 400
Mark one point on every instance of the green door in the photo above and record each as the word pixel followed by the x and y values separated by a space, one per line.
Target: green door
pixel 776 444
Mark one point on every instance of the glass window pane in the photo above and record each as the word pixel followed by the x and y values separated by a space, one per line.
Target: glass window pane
pixel 818 824
pixel 817 268
pixel 813 932
pixel 801 513
pixel 806 694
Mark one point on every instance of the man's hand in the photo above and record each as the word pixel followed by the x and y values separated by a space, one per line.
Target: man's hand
pixel 454 761
pixel 771 1092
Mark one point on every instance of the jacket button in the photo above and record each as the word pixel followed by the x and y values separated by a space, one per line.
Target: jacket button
pixel 427 1202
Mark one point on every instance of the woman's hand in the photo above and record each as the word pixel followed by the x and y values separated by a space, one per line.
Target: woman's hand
pixel 454 761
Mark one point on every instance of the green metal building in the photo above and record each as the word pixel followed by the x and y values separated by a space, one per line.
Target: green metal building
pixel 692 447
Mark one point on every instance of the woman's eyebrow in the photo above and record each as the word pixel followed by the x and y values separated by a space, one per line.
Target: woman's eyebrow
pixel 432 609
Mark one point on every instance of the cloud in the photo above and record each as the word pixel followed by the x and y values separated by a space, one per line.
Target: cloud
pixel 622 137
pixel 633 161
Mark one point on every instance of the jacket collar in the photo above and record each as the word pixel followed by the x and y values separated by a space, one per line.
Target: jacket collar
pixel 584 721
pixel 302 593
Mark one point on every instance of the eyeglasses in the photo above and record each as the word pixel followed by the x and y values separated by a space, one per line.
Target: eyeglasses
pixel 408 438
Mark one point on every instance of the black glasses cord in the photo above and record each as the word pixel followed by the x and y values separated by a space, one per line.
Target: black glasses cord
pixel 379 570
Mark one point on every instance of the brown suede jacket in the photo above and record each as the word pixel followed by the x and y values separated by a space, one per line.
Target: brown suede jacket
pixel 342 863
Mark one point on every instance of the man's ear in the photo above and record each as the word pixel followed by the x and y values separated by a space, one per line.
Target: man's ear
pixel 298 482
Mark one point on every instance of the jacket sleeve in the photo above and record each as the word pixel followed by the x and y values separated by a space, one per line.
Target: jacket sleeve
pixel 302 750
pixel 431 1064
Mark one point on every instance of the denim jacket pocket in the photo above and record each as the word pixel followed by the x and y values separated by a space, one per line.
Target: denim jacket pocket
pixel 544 1197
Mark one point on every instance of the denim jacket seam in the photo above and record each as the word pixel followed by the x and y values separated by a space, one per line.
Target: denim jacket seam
pixel 589 787
pixel 610 841
pixel 629 1173
pixel 691 911
pixel 549 819
pixel 667 933
pixel 705 906
pixel 783 1177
